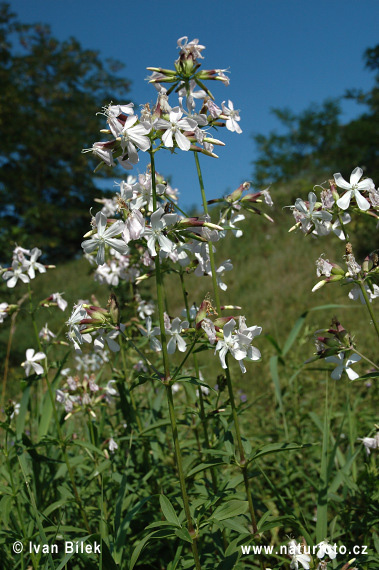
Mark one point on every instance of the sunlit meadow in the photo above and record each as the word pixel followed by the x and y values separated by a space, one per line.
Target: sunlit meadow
pixel 199 390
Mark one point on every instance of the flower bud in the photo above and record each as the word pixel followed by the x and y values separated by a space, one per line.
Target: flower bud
pixel 337 270
pixel 114 309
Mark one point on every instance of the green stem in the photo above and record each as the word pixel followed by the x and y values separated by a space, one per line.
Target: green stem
pixel 365 358
pixel 242 462
pixel 130 394
pixel 203 416
pixel 181 475
pixel 369 306
pixel 147 361
pixel 166 366
pixel 58 426
pixel 210 245
pixel 242 459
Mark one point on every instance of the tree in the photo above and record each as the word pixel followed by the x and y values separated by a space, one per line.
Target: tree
pixel 50 91
pixel 316 143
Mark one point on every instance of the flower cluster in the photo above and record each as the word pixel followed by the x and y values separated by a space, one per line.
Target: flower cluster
pixel 163 125
pixel 24 266
pixel 84 394
pixel 327 214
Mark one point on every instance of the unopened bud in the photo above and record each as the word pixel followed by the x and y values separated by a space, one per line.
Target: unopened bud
pixel 114 309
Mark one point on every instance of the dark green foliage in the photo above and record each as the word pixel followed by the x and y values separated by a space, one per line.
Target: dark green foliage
pixel 315 141
pixel 51 92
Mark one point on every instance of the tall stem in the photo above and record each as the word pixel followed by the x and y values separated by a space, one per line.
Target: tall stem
pixel 58 426
pixel 242 463
pixel 369 306
pixel 166 380
pixel 211 255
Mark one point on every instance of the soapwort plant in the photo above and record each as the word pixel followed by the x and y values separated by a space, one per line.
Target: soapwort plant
pixel 142 450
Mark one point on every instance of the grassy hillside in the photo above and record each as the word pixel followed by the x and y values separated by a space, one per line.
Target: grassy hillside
pixel 274 272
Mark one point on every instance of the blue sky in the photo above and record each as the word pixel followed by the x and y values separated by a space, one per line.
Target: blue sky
pixel 279 53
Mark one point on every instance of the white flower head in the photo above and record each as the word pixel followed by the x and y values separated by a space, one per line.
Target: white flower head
pixel 173 129
pixel 308 216
pixel 232 117
pixel 353 188
pixel 343 364
pixel 159 222
pixel 298 556
pixel 176 341
pixel 46 334
pixel 3 311
pixel 31 362
pixel 370 443
pixel 17 272
pixel 324 548
pixel 105 236
pixel 58 299
pixel 32 265
pixel 112 445
pixel 133 136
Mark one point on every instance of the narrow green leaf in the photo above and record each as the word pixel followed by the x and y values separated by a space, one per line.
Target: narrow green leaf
pixel 294 333
pixel 322 497
pixel 204 466
pixel 20 421
pixel 183 534
pixel 230 509
pixel 168 510
pixel 278 447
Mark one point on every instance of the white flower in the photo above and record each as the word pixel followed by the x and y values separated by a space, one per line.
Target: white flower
pixel 343 365
pixel 190 48
pixel 233 117
pixel 326 548
pixel 100 149
pixel 231 224
pixel 323 267
pixel 3 311
pixel 230 344
pixel 105 236
pixel 176 340
pixel 74 334
pixel 31 362
pixel 134 225
pixel 370 442
pixel 353 189
pixel 308 216
pixel 209 329
pixel 151 333
pixel 109 390
pixel 46 334
pixel 16 410
pixel 173 128
pixel 297 556
pixel 112 445
pixel 58 299
pixel 336 226
pixel 109 338
pixel 32 264
pixel 16 273
pixel 356 293
pixel 159 221
pixel 134 136
pixel 145 308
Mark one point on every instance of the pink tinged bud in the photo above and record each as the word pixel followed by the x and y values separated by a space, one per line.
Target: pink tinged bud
pixel 236 195
pixel 167 72
pixel 220 322
pixel 337 270
pixel 202 312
